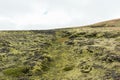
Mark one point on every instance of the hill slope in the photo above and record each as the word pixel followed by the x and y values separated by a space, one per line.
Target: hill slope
pixel 85 53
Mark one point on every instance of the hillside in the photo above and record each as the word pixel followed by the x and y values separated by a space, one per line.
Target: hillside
pixel 84 53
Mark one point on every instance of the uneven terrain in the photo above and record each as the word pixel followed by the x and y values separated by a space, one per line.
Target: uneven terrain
pixel 83 53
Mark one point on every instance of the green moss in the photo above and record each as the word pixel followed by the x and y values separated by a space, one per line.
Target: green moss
pixel 86 53
pixel 68 67
pixel 16 72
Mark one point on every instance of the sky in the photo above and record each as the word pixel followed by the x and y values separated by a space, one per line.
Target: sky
pixel 51 14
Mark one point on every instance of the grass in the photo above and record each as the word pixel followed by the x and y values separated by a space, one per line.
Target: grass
pixel 86 53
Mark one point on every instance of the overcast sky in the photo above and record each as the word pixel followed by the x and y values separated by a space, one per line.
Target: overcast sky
pixel 50 14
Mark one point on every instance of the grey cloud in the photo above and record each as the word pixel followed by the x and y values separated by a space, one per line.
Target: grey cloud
pixel 94 8
pixel 16 7
pixel 82 12
pixel 6 25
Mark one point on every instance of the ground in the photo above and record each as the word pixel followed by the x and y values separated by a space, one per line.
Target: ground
pixel 82 53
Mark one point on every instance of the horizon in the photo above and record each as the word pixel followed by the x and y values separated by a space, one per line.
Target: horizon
pixel 64 27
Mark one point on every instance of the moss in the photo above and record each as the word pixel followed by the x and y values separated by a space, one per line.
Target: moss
pixel 91 35
pixel 85 67
pixel 111 34
pixel 68 67
pixel 86 53
pixel 16 72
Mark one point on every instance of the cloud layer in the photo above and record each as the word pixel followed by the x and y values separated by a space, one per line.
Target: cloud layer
pixel 48 14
